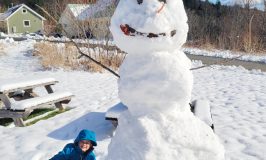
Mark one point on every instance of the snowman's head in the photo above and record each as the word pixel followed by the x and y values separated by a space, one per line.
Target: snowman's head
pixel 149 25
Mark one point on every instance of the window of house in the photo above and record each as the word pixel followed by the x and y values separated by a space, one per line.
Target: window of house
pixel 24 11
pixel 14 29
pixel 26 23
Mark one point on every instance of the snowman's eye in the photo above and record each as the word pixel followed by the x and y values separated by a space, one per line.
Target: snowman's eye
pixel 164 1
pixel 140 1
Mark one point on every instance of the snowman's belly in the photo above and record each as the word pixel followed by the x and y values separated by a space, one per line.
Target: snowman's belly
pixel 155 80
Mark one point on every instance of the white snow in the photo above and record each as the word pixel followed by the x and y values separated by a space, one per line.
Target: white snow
pixel 203 111
pixel 155 84
pixel 237 99
pixel 12 84
pixel 77 9
pixel 94 9
pixel 116 111
pixel 32 102
pixel 226 54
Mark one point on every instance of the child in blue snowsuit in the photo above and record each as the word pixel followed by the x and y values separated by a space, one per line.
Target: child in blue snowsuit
pixel 81 149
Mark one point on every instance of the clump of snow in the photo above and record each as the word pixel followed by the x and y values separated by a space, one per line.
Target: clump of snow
pixel 149 80
pixel 2 34
pixel 158 137
pixel 202 110
pixel 156 84
pixel 7 40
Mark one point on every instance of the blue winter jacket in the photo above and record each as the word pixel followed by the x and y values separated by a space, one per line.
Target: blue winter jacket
pixel 72 151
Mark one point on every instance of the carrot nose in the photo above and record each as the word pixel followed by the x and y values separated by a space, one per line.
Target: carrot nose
pixel 161 8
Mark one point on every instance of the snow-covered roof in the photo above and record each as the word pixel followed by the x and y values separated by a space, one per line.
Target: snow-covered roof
pixel 9 12
pixel 76 9
pixel 102 8
pixel 84 11
pixel 14 9
pixel 1 16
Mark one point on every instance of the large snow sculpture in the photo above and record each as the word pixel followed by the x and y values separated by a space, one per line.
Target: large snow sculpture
pixel 156 85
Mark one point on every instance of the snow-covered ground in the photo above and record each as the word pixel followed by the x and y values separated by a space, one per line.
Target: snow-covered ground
pixel 227 54
pixel 237 97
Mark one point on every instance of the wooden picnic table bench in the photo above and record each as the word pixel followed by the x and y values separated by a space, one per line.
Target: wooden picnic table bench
pixel 114 113
pixel 19 99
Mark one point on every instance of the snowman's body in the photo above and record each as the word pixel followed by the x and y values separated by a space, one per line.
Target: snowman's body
pixel 156 83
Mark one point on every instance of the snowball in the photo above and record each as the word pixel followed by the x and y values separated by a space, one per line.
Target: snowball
pixel 155 81
pixel 146 19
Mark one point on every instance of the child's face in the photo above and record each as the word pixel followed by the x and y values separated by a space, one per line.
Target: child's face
pixel 84 145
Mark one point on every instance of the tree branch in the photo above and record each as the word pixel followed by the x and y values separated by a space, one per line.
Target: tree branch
pixel 80 52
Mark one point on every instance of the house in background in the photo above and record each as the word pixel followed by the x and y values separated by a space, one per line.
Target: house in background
pixel 80 19
pixel 21 19
pixel 70 21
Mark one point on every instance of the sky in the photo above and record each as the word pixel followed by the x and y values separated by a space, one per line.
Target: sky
pixel 236 95
pixel 259 4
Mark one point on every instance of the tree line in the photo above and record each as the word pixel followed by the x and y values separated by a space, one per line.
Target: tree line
pixel 238 28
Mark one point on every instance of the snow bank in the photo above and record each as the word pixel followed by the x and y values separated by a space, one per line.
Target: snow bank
pixel 7 40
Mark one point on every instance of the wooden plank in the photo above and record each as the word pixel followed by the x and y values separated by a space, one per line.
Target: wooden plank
pixel 52 99
pixel 59 106
pixel 49 89
pixel 19 122
pixel 5 99
pixel 28 87
pixel 1 104
pixel 14 114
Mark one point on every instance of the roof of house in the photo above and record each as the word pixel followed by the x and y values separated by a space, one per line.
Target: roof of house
pixel 76 9
pixel 14 9
pixel 85 11
pixel 102 8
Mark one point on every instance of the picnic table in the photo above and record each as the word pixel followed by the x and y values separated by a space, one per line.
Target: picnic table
pixel 19 99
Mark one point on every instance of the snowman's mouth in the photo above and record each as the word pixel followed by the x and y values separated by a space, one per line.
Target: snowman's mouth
pixel 129 31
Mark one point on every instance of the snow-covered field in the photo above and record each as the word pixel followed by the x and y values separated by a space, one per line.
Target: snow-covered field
pixel 237 98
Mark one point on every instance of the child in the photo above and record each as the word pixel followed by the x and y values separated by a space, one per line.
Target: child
pixel 82 148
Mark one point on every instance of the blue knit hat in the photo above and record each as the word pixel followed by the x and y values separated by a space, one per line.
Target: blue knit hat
pixel 86 135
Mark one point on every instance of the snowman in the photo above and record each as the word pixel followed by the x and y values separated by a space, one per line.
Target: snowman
pixel 155 84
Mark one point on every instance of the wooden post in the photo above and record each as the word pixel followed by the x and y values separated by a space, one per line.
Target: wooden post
pixel 59 106
pixel 18 122
pixel 4 98
pixel 49 89
pixel 1 104
pixel 29 94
